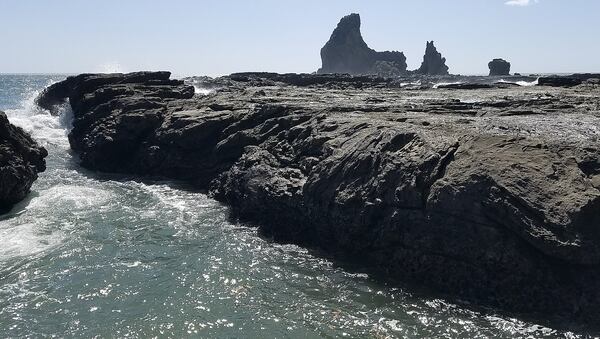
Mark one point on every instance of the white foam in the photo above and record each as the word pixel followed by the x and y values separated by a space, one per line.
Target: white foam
pixel 24 239
pixel 528 84
pixel 44 127
pixel 34 230
pixel 70 197
pixel 521 83
pixel 414 83
pixel 202 91
pixel 446 83
pixel 110 67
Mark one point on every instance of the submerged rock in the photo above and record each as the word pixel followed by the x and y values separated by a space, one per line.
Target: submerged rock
pixel 499 67
pixel 21 159
pixel 433 62
pixel 415 185
pixel 347 52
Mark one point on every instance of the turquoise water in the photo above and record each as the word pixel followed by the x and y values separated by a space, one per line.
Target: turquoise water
pixel 91 255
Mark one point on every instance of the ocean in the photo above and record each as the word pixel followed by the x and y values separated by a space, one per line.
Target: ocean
pixel 100 255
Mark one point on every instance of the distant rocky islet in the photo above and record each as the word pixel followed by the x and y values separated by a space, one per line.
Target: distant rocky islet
pixel 347 52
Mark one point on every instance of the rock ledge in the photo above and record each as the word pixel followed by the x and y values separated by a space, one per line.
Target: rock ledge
pixel 491 197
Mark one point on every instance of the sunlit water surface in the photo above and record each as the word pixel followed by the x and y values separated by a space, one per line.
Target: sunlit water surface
pixel 94 255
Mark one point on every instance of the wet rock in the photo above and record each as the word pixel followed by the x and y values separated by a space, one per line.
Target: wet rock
pixel 347 52
pixel 21 159
pixel 393 179
pixel 433 62
pixel 499 67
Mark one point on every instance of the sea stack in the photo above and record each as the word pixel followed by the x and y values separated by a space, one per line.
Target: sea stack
pixel 347 52
pixel 21 158
pixel 499 67
pixel 433 62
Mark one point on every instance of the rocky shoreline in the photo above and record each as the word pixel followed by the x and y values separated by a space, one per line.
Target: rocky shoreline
pixel 21 159
pixel 489 194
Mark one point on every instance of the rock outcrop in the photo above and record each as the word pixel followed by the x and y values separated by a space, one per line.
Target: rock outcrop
pixel 347 52
pixel 433 62
pixel 21 159
pixel 495 200
pixel 499 67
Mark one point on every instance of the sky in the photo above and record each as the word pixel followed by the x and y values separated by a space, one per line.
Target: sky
pixel 201 37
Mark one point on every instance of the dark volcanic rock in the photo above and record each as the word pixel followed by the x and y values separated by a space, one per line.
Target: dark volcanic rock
pixel 142 95
pixel 347 52
pixel 417 185
pixel 499 67
pixel 21 159
pixel 70 88
pixel 560 81
pixel 567 80
pixel 433 62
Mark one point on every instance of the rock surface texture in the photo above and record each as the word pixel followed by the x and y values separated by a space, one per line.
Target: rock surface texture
pixel 21 159
pixel 347 52
pixel 433 62
pixel 499 67
pixel 488 195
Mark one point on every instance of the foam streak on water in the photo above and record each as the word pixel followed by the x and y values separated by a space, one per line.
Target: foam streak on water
pixel 97 255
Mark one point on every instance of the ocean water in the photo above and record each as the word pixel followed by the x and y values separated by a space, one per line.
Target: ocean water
pixel 95 255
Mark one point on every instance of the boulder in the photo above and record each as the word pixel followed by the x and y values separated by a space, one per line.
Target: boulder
pixel 347 52
pixel 433 62
pixel 21 159
pixel 499 67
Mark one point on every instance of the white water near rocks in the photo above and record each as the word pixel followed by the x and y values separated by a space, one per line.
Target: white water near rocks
pixel 91 254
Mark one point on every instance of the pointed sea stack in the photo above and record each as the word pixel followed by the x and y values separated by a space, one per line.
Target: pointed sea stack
pixel 499 67
pixel 347 52
pixel 433 62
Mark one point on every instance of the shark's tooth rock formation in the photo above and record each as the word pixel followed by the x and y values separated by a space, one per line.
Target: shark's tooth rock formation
pixel 499 67
pixel 21 159
pixel 347 52
pixel 494 200
pixel 433 62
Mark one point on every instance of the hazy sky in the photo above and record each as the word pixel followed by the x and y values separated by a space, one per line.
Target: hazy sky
pixel 224 36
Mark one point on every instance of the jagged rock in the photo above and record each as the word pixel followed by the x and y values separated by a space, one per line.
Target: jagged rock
pixel 499 67
pixel 347 52
pixel 21 159
pixel 449 194
pixel 56 94
pixel 433 62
